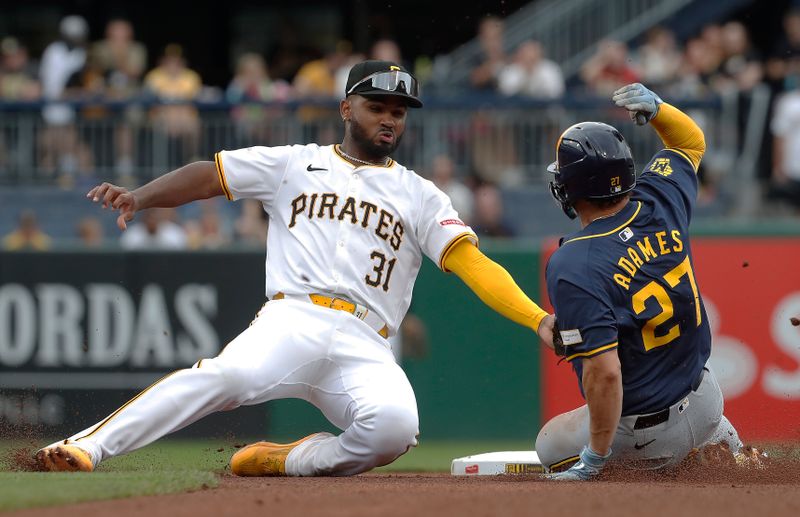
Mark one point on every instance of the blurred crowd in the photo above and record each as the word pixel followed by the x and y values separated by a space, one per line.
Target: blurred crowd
pixel 117 68
pixel 720 59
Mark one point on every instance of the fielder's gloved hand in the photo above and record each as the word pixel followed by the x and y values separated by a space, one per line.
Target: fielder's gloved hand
pixel 589 465
pixel 639 101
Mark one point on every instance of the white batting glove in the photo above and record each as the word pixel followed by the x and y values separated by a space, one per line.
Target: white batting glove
pixel 641 103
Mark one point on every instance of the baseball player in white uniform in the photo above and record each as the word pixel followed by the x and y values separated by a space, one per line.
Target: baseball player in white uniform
pixel 348 229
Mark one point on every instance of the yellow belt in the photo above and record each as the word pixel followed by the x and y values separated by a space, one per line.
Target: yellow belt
pixel 340 304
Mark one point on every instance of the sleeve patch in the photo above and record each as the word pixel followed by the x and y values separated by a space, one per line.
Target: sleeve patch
pixel 661 166
pixel 571 337
pixel 447 222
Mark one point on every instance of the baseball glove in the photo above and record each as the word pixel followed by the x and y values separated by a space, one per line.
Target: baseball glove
pixel 558 343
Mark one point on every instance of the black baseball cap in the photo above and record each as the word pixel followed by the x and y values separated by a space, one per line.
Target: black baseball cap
pixel 374 77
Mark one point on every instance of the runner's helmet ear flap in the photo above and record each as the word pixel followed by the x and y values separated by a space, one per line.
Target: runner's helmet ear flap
pixel 593 161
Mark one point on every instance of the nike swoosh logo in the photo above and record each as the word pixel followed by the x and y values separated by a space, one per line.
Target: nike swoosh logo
pixel 310 168
pixel 642 446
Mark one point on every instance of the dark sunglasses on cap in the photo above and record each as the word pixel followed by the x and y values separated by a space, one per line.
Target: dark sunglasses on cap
pixel 392 81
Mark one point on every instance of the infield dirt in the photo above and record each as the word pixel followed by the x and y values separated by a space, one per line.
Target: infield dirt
pixel 732 492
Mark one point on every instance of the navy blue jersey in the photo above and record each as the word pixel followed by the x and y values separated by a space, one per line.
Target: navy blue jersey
pixel 626 282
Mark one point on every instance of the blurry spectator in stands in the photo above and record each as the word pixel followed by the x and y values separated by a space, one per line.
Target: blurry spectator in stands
pixel 120 59
pixel 251 225
pixel 491 144
pixel 17 83
pixel 698 66
pixel 120 62
pixel 493 148
pixel 174 84
pixel 61 69
pixel 783 66
pixel 530 74
pixel 62 73
pixel 788 45
pixel 714 46
pixel 609 68
pixel 741 67
pixel 156 231
pixel 27 236
pixel 487 66
pixel 17 78
pixel 207 232
pixel 250 87
pixel 785 181
pixel 317 78
pixel 659 58
pixel 443 175
pixel 489 220
pixel 387 50
pixel 90 232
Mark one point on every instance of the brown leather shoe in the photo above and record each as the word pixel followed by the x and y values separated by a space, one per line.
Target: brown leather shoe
pixel 265 458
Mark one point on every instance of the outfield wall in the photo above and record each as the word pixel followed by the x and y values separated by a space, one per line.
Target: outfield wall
pixel 82 332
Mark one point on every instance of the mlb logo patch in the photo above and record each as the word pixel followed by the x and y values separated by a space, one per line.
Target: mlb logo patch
pixel 626 234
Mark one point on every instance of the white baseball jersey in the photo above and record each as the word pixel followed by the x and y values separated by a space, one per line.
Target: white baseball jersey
pixel 340 229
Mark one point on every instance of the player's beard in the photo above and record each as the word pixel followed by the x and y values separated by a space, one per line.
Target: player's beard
pixel 375 151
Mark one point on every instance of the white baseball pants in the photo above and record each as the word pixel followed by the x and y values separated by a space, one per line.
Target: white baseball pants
pixel 293 349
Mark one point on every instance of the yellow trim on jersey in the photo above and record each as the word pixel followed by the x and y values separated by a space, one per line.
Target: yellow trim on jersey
pixel 131 401
pixel 338 153
pixel 615 230
pixel 563 462
pixel 455 240
pixel 591 353
pixel 221 175
pixel 683 154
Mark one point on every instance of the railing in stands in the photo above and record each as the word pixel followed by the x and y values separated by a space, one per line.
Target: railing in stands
pixel 509 141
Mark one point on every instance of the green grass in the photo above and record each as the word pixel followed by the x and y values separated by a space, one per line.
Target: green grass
pixel 28 489
pixel 180 465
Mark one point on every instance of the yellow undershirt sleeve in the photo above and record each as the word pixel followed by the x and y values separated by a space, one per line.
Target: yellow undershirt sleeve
pixel 493 284
pixel 680 133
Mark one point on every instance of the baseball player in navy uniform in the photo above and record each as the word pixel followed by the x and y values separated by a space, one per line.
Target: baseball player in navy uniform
pixel 629 315
pixel 348 229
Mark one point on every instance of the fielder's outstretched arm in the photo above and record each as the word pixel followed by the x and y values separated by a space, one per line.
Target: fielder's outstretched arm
pixel 494 285
pixel 198 180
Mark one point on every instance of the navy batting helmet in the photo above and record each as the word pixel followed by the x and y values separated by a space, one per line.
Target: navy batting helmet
pixel 593 161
